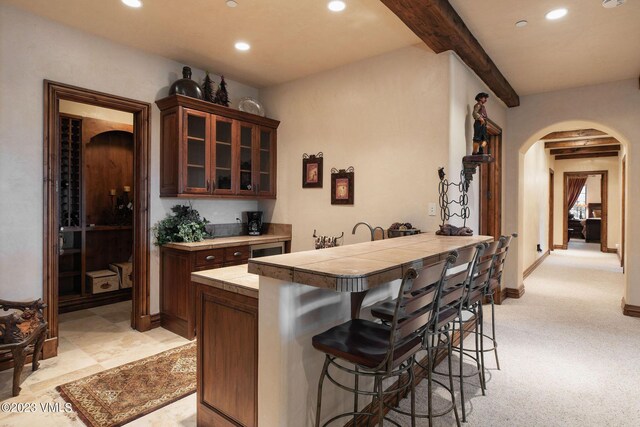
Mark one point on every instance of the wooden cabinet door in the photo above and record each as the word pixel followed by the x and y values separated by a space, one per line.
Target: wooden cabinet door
pixel 223 155
pixel 246 161
pixel 196 155
pixel 227 358
pixel 265 162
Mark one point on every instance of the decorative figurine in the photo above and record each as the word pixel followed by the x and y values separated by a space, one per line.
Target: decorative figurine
pixel 186 86
pixel 222 97
pixel 480 124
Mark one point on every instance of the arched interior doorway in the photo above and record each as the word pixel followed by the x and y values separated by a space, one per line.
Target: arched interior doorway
pixel 588 152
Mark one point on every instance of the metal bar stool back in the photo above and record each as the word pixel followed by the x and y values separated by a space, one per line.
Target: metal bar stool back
pixel 382 351
pixel 494 286
pixel 448 310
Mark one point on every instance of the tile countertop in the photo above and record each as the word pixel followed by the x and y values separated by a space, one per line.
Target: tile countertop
pixel 361 266
pixel 222 242
pixel 234 279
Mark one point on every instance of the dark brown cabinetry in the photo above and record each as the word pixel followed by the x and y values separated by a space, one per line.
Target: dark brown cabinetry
pixel 177 298
pixel 208 150
pixel 575 229
pixel 227 358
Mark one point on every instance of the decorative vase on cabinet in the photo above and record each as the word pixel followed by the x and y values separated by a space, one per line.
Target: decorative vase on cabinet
pixel 185 86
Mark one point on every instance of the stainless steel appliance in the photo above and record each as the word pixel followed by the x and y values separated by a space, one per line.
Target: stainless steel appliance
pixel 267 249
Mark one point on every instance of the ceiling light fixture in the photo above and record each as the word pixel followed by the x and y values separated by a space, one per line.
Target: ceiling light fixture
pixel 556 14
pixel 242 46
pixel 521 23
pixel 336 6
pixel 610 4
pixel 132 3
pixel 232 3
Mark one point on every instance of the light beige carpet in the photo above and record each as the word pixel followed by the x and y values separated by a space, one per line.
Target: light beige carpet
pixel 568 355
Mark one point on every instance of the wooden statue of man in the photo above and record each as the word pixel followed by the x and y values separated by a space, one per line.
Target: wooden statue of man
pixel 480 137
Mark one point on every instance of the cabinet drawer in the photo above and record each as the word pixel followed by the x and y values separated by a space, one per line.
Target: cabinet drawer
pixel 237 253
pixel 209 257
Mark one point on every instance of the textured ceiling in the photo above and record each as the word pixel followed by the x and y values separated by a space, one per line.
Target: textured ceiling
pixel 289 38
pixel 294 38
pixel 589 45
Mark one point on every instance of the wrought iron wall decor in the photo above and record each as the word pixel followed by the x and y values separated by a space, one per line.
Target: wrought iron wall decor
pixel 312 170
pixel 445 203
pixel 342 186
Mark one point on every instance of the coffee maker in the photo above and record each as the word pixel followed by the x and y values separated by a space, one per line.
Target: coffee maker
pixel 254 223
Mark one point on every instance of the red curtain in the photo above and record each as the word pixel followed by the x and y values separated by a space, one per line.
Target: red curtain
pixel 574 187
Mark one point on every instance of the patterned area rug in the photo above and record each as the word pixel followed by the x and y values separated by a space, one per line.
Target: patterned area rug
pixel 119 395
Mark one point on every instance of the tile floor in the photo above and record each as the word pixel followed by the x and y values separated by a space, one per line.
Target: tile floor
pixel 91 341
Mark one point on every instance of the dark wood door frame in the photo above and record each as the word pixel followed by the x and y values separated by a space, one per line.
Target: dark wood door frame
pixel 53 93
pixel 490 199
pixel 623 188
pixel 551 206
pixel 604 200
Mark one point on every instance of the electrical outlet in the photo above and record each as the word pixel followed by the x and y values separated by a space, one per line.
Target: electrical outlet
pixel 432 209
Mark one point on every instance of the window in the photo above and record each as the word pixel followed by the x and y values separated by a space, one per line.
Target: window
pixel 579 210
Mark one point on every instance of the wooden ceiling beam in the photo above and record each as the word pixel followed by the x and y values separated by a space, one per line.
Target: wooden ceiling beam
pixel 586 150
pixel 438 24
pixel 586 156
pixel 578 133
pixel 581 143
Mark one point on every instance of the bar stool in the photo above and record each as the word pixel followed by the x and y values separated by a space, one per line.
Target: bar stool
pixel 495 283
pixel 439 336
pixel 382 351
pixel 472 305
pixel 455 293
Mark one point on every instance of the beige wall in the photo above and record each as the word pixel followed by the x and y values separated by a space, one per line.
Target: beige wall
pixel 612 107
pixel 537 163
pixel 33 49
pixel 610 164
pixel 594 186
pixel 385 117
pixel 392 118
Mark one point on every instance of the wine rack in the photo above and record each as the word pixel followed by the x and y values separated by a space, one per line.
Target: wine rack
pixel 70 170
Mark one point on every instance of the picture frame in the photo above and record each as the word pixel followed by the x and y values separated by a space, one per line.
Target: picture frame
pixel 312 170
pixel 342 186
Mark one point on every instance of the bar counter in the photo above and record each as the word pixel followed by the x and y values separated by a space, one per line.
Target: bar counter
pixel 304 293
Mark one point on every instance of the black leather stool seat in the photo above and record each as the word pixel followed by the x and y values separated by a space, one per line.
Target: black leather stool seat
pixel 364 343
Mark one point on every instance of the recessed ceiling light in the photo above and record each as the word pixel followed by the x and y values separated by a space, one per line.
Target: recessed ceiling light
pixel 242 46
pixel 132 3
pixel 232 3
pixel 336 6
pixel 521 23
pixel 556 14
pixel 610 4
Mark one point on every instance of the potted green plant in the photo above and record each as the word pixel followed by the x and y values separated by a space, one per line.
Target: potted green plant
pixel 185 225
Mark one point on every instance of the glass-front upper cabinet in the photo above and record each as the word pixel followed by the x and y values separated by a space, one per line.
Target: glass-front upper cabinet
pixel 247 180
pixel 207 150
pixel 196 152
pixel 223 156
pixel 266 162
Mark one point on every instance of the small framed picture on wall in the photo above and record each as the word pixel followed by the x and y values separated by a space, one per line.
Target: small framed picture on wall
pixel 312 170
pixel 342 184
